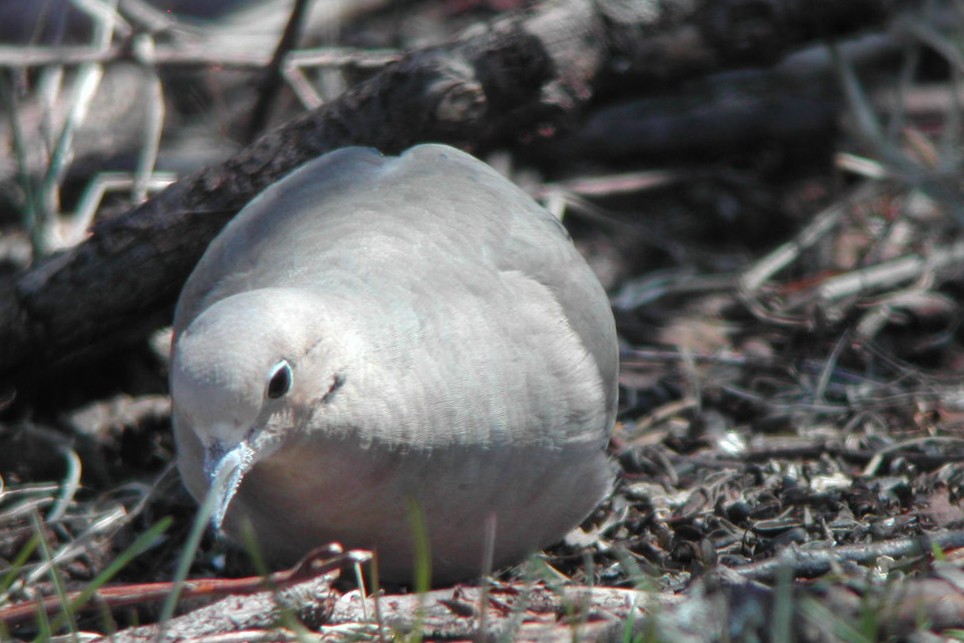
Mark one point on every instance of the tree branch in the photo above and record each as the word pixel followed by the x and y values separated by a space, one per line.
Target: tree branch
pixel 520 75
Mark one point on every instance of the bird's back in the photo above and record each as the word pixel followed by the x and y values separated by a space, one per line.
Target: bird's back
pixel 356 221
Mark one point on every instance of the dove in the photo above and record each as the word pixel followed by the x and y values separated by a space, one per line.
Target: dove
pixel 377 342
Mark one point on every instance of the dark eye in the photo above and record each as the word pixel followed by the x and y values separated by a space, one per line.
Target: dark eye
pixel 280 381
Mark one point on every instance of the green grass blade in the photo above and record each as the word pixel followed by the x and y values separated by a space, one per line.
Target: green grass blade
pixel 139 546
pixel 55 578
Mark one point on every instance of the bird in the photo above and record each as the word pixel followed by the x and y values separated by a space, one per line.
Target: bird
pixel 379 340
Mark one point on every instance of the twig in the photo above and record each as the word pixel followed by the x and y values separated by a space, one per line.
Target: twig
pixel 154 90
pixel 319 561
pixel 891 273
pixel 752 280
pixel 810 563
pixel 193 55
pixel 273 77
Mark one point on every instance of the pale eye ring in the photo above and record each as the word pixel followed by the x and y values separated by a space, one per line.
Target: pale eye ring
pixel 280 380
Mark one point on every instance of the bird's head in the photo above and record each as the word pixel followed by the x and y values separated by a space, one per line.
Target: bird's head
pixel 248 373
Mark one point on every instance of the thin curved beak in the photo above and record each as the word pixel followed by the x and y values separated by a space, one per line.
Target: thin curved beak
pixel 225 470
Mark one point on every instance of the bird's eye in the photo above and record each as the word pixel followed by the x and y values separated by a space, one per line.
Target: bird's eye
pixel 280 381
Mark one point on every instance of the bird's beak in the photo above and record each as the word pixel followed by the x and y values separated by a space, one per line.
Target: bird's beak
pixel 225 469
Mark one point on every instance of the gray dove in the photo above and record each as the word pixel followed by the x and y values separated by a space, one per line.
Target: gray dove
pixel 375 337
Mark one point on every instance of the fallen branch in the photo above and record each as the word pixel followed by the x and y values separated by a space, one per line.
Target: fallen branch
pixel 318 562
pixel 517 76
